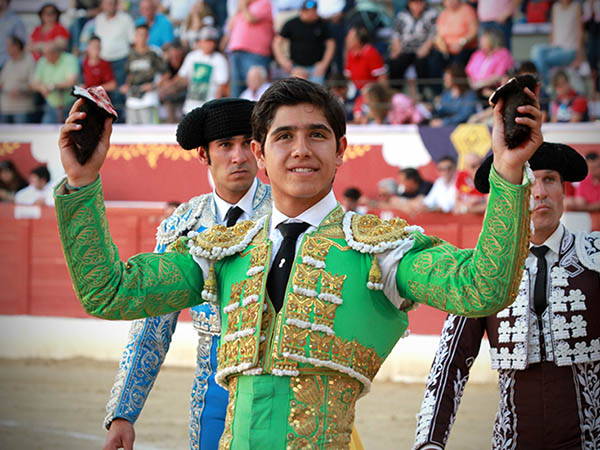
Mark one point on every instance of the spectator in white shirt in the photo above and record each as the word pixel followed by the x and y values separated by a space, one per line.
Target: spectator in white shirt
pixel 115 29
pixel 442 195
pixel 256 80
pixel 204 71
pixel 39 191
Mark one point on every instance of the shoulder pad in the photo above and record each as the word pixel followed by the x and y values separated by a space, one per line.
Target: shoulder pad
pixel 184 218
pixel 587 246
pixel 370 234
pixel 220 241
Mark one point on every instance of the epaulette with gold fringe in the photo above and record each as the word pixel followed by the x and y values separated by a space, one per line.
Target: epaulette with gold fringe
pixel 219 241
pixel 370 234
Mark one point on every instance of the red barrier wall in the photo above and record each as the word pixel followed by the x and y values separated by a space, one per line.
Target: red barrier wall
pixel 35 280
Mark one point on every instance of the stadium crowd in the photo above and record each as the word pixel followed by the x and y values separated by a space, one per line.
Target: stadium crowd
pixel 430 62
pixel 421 62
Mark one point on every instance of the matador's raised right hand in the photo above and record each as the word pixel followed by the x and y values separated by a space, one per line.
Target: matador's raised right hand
pixel 77 174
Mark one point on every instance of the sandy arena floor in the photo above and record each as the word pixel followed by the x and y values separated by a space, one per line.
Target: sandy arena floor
pixel 60 405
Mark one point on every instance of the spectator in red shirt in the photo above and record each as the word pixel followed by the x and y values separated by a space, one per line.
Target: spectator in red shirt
pixel 468 198
pixel 97 71
pixel 568 106
pixel 587 192
pixel 364 63
pixel 49 30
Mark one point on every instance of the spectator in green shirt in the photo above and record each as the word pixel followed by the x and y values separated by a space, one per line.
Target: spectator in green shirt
pixel 55 73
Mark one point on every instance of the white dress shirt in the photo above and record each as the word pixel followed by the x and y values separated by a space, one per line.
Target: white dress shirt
pixel 246 202
pixel 312 216
pixel 553 243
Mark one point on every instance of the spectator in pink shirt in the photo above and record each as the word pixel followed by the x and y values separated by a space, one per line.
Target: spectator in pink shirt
pixel 587 192
pixel 456 38
pixel 488 64
pixel 250 34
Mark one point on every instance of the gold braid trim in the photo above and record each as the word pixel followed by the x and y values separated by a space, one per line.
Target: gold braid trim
pixel 227 437
pixel 370 234
pixel 220 241
pixel 322 411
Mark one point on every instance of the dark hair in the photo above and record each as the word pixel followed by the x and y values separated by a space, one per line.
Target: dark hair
pixel 17 41
pixel 459 76
pixel 49 5
pixel 447 158
pixel 591 156
pixel 559 75
pixel 362 34
pixel 42 172
pixel 144 26
pixel 292 92
pixel 94 37
pixel 352 193
pixel 17 183
pixel 412 174
pixel 527 67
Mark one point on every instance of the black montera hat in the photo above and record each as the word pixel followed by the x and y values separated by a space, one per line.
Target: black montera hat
pixel 216 119
pixel 560 157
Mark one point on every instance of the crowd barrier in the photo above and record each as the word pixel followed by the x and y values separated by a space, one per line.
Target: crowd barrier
pixel 37 282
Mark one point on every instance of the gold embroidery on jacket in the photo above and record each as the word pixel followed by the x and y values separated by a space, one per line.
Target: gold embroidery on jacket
pixel 372 230
pixel 508 209
pixel 227 437
pixel 220 236
pixel 322 411
pixel 342 395
pixel 306 277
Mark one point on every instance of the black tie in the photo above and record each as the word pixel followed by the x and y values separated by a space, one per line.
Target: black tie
pixel 539 290
pixel 233 214
pixel 282 264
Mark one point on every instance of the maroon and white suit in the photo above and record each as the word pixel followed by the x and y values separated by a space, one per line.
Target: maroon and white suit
pixel 549 367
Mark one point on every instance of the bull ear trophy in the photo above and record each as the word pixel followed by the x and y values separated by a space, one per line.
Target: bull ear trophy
pixel 512 93
pixel 97 107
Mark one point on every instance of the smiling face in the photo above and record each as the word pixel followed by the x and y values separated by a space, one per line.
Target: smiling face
pixel 232 166
pixel 301 155
pixel 548 194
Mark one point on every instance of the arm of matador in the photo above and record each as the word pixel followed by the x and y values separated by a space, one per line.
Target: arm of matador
pixel 459 345
pixel 148 284
pixel 473 282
